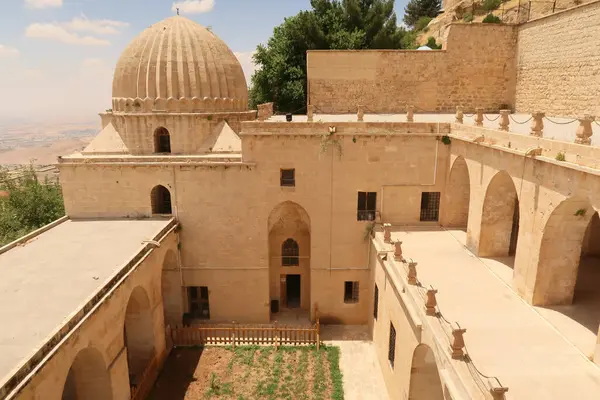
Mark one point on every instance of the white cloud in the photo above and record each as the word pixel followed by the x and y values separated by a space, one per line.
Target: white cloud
pixel 248 65
pixel 8 52
pixel 194 6
pixel 43 3
pixel 92 62
pixel 32 73
pixel 58 33
pixel 100 26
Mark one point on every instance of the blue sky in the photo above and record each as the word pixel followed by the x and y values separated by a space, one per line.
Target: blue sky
pixel 57 56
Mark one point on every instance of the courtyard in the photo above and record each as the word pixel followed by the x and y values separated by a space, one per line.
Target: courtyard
pixel 250 372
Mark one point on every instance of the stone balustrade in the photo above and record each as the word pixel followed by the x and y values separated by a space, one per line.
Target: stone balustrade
pixel 265 111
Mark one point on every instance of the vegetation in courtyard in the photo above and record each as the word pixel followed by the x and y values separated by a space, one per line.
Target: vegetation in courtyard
pixel 252 372
pixel 329 24
pixel 560 156
pixel 26 204
pixel 492 19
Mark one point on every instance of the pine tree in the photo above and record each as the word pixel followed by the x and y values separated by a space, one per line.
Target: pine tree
pixel 416 9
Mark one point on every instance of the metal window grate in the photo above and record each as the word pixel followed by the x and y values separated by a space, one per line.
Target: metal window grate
pixel 392 345
pixel 350 292
pixel 162 141
pixel 376 302
pixel 367 206
pixel 290 253
pixel 288 177
pixel 160 199
pixel 430 206
pixel 198 302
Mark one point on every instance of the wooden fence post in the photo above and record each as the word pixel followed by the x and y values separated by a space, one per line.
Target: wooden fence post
pixel 233 332
pixel 318 334
pixel 276 337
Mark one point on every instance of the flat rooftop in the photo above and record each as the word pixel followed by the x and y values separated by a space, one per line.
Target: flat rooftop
pixel 563 129
pixel 48 279
pixel 506 337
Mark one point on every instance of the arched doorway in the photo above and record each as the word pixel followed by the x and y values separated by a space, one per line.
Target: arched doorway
pixel 289 260
pixel 138 331
pixel 570 241
pixel 425 383
pixel 88 378
pixel 162 141
pixel 171 290
pixel 500 218
pixel 457 195
pixel 160 199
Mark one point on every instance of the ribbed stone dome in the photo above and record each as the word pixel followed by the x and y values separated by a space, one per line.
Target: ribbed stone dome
pixel 178 65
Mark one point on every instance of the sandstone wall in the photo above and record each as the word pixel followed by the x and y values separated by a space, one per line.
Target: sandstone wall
pixel 476 70
pixel 558 63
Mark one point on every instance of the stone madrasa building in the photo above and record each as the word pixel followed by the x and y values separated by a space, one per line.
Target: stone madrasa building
pixel 467 244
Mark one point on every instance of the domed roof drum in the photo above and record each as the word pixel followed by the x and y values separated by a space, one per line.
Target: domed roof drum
pixel 179 66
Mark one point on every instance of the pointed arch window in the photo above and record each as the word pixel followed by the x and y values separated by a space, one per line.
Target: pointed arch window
pixel 290 253
pixel 162 140
pixel 161 200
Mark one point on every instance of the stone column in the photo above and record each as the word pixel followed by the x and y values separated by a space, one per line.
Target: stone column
pixel 458 343
pixel 387 234
pixel 412 273
pixel 360 114
pixel 537 124
pixel 398 251
pixel 310 110
pixel 459 115
pixel 431 302
pixel 410 113
pixel 479 116
pixel 504 120
pixel 584 130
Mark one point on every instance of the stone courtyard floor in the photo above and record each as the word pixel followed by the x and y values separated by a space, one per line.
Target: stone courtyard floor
pixel 361 373
pixel 505 337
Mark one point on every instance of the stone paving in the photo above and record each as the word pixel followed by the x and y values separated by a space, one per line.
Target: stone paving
pixel 361 372
pixel 505 336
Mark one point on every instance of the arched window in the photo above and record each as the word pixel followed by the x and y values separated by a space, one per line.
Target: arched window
pixel 161 200
pixel 162 140
pixel 290 253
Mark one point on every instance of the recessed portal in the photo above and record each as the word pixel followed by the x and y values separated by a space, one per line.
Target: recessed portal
pixel 292 288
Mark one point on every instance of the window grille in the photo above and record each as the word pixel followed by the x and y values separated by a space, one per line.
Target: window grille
pixel 288 177
pixel 162 141
pixel 367 206
pixel 350 292
pixel 161 200
pixel 198 302
pixel 290 253
pixel 430 206
pixel 392 345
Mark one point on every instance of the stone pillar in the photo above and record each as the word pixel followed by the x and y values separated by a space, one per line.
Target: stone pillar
pixel 584 130
pixel 458 343
pixel 504 121
pixel 412 273
pixel 410 113
pixel 398 251
pixel 310 110
pixel 360 114
pixel 479 116
pixel 459 115
pixel 387 234
pixel 537 124
pixel 498 393
pixel 431 302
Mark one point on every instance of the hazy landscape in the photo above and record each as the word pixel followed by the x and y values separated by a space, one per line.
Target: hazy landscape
pixel 24 141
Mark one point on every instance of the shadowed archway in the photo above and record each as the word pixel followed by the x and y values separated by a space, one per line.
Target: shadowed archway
pixel 138 333
pixel 289 259
pixel 88 377
pixel 425 383
pixel 160 200
pixel 162 141
pixel 500 218
pixel 457 195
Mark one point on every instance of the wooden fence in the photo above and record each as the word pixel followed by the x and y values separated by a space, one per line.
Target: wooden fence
pixel 247 335
pixel 142 389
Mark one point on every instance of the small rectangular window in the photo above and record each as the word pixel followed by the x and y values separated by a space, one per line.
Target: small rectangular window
pixel 366 207
pixel 430 206
pixel 288 177
pixel 392 345
pixel 350 292
pixel 198 302
pixel 376 302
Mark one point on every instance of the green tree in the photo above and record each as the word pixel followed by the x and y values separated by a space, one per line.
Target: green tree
pixel 416 9
pixel 27 204
pixel 330 24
